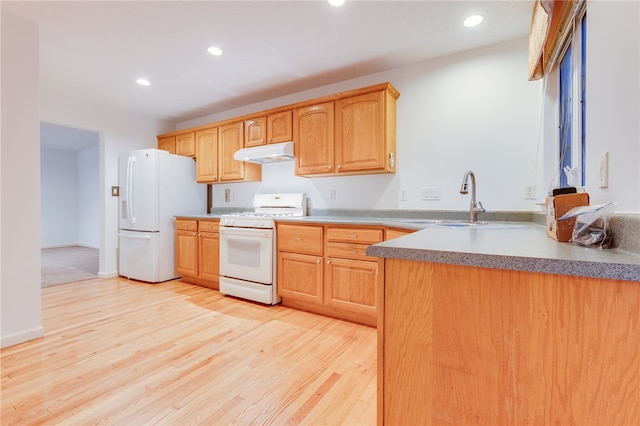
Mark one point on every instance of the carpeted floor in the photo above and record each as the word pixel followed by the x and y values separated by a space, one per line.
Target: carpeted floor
pixel 68 264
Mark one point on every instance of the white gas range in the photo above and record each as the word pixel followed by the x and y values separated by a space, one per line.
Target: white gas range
pixel 248 247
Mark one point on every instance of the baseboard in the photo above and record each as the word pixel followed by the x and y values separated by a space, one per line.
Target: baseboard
pixel 108 274
pixel 46 246
pixel 21 337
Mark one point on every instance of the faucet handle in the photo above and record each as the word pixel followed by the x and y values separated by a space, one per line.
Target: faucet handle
pixel 481 206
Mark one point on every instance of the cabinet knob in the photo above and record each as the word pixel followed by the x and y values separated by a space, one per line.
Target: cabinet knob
pixel 328 262
pixel 339 166
pixel 329 167
pixel 270 139
pixel 318 261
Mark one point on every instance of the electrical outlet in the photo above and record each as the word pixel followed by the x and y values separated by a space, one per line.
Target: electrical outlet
pixel 430 193
pixel 332 194
pixel 530 192
pixel 403 194
pixel 227 195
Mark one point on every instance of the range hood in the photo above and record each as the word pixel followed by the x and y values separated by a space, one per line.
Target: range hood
pixel 265 154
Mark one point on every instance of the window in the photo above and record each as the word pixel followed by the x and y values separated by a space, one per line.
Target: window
pixel 571 106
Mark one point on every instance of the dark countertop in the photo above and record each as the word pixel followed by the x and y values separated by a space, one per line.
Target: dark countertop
pixel 521 246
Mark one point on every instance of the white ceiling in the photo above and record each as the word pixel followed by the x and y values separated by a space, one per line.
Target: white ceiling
pixel 94 51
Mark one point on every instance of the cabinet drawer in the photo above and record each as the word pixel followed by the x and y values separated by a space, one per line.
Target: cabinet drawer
pixel 354 235
pixel 186 225
pixel 395 233
pixel 300 239
pixel 347 251
pixel 208 226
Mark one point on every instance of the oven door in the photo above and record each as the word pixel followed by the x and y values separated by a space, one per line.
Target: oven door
pixel 247 254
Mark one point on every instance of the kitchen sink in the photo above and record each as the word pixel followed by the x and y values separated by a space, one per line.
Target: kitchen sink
pixel 463 223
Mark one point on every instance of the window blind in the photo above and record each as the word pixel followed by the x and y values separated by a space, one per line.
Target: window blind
pixel 551 22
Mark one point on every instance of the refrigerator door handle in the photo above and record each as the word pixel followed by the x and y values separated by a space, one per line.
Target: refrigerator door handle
pixel 130 207
pixel 138 237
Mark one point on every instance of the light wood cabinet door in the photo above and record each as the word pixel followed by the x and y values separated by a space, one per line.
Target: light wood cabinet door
pixel 231 139
pixel 255 131
pixel 186 144
pixel 209 256
pixel 207 155
pixel 167 143
pixel 187 252
pixel 360 133
pixel 280 127
pixel 300 277
pixel 351 285
pixel 313 133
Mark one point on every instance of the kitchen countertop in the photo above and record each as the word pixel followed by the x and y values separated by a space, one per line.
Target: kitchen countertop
pixel 521 246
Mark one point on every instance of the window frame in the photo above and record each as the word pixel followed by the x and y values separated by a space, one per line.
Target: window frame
pixel 572 154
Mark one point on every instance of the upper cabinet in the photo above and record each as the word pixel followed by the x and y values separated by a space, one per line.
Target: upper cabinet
pixel 207 155
pixel 231 139
pixel 272 128
pixel 255 130
pixel 215 147
pixel 346 133
pixel 280 127
pixel 355 134
pixel 366 133
pixel 167 143
pixel 313 135
pixel 186 144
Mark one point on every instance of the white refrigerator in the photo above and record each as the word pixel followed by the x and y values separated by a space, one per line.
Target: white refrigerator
pixel 155 186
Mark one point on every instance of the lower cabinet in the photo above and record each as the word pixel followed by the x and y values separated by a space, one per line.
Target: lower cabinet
pixel 324 269
pixel 301 277
pixel 198 251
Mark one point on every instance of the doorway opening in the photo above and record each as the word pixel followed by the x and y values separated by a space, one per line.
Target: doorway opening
pixel 69 203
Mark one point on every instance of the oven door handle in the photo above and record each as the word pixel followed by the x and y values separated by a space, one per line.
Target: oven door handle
pixel 249 232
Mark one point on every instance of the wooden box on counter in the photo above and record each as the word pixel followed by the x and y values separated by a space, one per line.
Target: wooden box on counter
pixel 562 230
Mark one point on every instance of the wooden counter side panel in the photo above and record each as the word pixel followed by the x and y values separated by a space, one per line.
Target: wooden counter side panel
pixel 407 344
pixel 465 345
pixel 585 350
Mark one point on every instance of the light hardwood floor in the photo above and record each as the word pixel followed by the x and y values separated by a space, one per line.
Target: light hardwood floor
pixel 121 352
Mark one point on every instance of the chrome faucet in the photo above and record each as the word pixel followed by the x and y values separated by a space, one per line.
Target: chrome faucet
pixel 474 210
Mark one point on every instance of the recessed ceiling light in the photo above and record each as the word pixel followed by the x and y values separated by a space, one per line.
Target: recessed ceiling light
pixel 473 20
pixel 336 2
pixel 143 82
pixel 215 51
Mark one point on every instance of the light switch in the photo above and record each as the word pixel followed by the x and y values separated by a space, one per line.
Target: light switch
pixel 604 170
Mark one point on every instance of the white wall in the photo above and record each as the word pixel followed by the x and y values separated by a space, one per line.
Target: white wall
pixel 19 183
pixel 59 197
pixel 119 132
pixel 70 209
pixel 477 111
pixel 472 111
pixel 613 101
pixel 88 207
